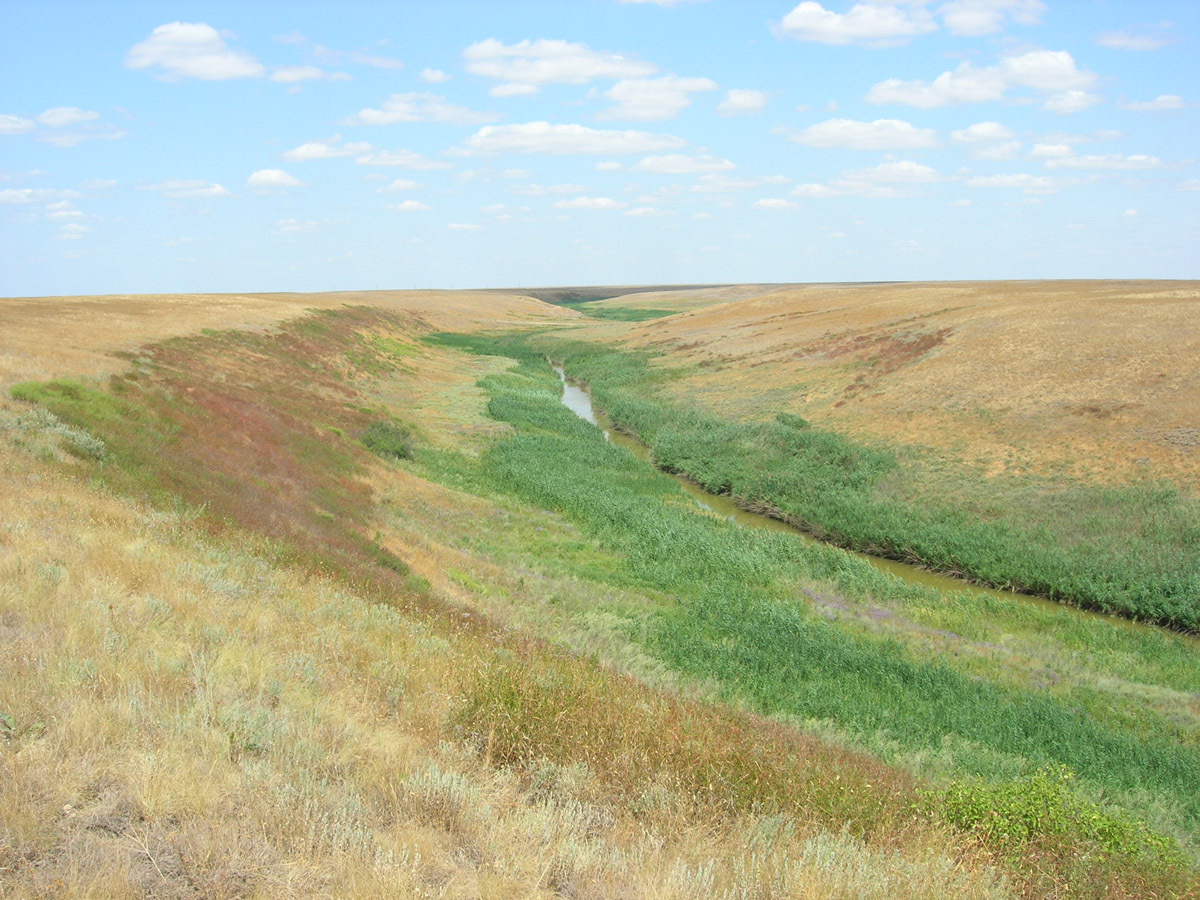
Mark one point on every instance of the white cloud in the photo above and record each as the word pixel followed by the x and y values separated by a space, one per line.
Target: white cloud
pixel 542 137
pixel 1030 184
pixel 1130 213
pixel 434 76
pixel 293 74
pixel 400 184
pixel 296 226
pixel 1071 102
pixel 461 226
pixel 643 211
pixel 191 50
pixel 1124 40
pixel 72 232
pixel 378 62
pixel 982 132
pixel 679 164
pixel 99 184
pixel 881 134
pixel 877 182
pixel 541 190
pixel 740 102
pixel 405 158
pixel 959 204
pixel 988 140
pixel 609 166
pixel 1051 151
pixel 723 184
pixel 330 148
pixel 15 124
pixel 36 195
pixel 512 90
pixel 531 64
pixel 62 116
pixel 408 206
pixel 652 99
pixel 1107 161
pixel 268 179
pixel 973 18
pixel 1041 70
pixel 1161 102
pixel 874 24
pixel 187 188
pixel 590 203
pixel 906 172
pixel 1190 184
pixel 420 107
pixel 774 203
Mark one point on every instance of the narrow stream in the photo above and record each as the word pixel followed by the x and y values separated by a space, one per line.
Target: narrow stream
pixel 579 402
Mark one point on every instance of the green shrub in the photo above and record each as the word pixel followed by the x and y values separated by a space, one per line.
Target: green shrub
pixel 388 439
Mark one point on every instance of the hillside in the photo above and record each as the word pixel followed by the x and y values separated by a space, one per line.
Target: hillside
pixel 327 594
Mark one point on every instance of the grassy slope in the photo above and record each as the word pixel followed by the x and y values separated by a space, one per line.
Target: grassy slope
pixel 504 764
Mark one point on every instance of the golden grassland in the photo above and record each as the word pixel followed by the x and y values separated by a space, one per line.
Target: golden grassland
pixel 194 711
pixel 1091 378
pixel 188 715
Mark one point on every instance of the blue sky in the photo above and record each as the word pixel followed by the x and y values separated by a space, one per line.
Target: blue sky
pixel 305 146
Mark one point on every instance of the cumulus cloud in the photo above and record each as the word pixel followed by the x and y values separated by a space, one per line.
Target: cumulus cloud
pixel 526 66
pixel 988 140
pixel 721 184
pixel 542 137
pixel 774 203
pixel 187 188
pixel 884 181
pixel 881 134
pixel 590 203
pixel 1029 184
pixel 406 158
pixel 272 179
pixel 1106 161
pixel 420 107
pixel 1159 103
pixel 191 50
pixel 1125 40
pixel 873 24
pixel 63 116
pixel 1069 102
pixel 330 148
pixel 740 102
pixel 297 226
pixel 408 206
pixel 679 164
pixel 1048 71
pixel 463 226
pixel 72 232
pixel 293 74
pixel 434 76
pixel 652 99
pixel 10 124
pixel 36 195
pixel 400 184
pixel 973 18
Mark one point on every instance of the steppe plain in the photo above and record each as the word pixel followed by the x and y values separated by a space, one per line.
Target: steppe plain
pixel 242 655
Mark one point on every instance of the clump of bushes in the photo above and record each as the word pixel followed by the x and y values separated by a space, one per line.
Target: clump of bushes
pixel 388 439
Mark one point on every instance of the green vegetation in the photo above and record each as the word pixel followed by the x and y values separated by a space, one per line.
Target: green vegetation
pixel 388 439
pixel 598 310
pixel 736 622
pixel 1132 551
pixel 1075 784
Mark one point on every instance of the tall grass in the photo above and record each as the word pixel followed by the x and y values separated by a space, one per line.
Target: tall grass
pixel 737 625
pixel 1130 550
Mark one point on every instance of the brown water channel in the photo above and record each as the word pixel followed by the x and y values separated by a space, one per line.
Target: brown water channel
pixel 576 399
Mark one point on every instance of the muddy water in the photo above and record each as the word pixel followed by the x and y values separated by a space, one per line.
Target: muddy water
pixel 580 402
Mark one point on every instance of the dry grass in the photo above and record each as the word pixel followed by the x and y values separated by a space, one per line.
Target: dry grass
pixel 184 714
pixel 1090 378
pixel 188 720
pixel 49 337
